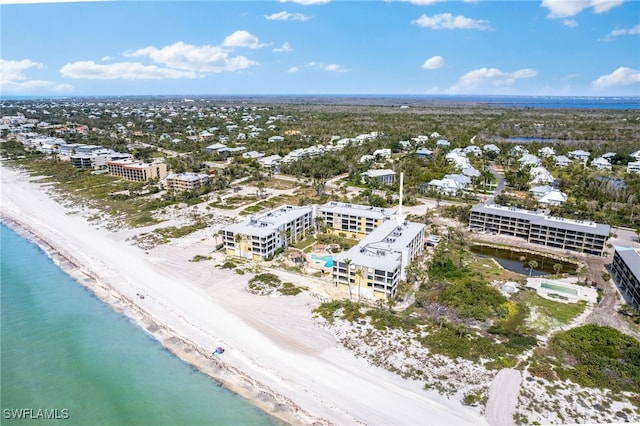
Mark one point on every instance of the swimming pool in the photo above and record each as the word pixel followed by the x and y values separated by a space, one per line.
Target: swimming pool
pixel 328 260
pixel 556 287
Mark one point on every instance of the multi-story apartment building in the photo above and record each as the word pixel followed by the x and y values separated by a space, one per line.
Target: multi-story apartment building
pixel 539 228
pixel 136 170
pixel 625 271
pixel 374 267
pixel 259 237
pixel 353 220
pixel 185 181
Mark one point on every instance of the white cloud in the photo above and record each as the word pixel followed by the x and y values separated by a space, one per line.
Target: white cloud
pixel 287 16
pixel 449 22
pixel 567 8
pixel 13 78
pixel 325 67
pixel 89 70
pixel 622 32
pixel 182 56
pixel 623 76
pixel 286 47
pixel 306 2
pixel 292 70
pixel 433 63
pixel 489 80
pixel 571 23
pixel 334 68
pixel 241 38
pixel 106 58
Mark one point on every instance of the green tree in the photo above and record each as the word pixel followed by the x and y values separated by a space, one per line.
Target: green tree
pixel 533 264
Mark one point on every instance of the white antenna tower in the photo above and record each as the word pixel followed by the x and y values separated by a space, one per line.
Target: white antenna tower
pixel 399 215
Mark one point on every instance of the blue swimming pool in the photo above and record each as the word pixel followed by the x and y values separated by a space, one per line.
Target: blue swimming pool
pixel 328 260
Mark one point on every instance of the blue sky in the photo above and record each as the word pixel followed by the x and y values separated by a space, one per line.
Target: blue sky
pixel 419 47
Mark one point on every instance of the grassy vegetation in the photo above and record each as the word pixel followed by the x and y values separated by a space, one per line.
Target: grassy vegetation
pixel 200 258
pixel 177 232
pixel 599 357
pixel 267 283
pixel 549 313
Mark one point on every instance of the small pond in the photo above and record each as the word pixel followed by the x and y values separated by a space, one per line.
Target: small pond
pixel 516 261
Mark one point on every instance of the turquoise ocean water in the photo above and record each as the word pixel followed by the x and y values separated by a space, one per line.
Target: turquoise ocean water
pixel 65 351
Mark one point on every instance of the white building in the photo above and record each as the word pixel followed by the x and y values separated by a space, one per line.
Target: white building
pixel 259 237
pixel 374 267
pixel 633 167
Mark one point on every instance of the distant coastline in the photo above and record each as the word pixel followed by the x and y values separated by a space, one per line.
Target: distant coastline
pixel 400 100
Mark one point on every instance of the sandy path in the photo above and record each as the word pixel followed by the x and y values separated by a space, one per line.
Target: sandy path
pixel 503 397
pixel 276 354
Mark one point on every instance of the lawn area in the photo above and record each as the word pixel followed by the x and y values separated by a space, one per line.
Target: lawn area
pixel 548 313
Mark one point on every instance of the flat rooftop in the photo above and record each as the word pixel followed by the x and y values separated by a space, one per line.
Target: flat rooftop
pixel 267 223
pixel 382 248
pixel 360 210
pixel 541 218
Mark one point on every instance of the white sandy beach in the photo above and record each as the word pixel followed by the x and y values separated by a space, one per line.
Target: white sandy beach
pixel 276 355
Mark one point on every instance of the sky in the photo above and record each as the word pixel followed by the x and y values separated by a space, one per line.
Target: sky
pixel 304 47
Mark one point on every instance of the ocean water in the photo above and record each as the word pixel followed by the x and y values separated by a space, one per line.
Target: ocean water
pixel 66 352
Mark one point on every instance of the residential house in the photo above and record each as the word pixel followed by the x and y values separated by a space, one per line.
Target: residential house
pixel 443 143
pixel 553 198
pixel 271 162
pixel 491 148
pixel 601 163
pixel 633 167
pixel 423 152
pixel 562 161
pixel 253 155
pixel 382 154
pixel 529 160
pixel 540 175
pixel 546 151
pixel 635 155
pixel 580 155
pixel 384 176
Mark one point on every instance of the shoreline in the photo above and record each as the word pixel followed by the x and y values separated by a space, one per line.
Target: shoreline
pixel 278 357
pixel 187 351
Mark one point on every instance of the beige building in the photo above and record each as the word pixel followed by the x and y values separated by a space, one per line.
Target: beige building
pixel 185 181
pixel 136 170
pixel 353 220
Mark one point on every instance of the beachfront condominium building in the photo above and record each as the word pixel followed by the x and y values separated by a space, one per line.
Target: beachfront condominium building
pixel 374 267
pixel 137 171
pixel 185 181
pixel 352 220
pixel 625 271
pixel 259 237
pixel 539 228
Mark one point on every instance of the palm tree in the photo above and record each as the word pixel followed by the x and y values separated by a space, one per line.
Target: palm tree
pixel 238 239
pixel 532 265
pixel 358 276
pixel 557 268
pixel 347 262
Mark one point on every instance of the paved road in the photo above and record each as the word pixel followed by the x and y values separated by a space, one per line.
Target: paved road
pixel 501 182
